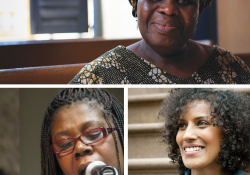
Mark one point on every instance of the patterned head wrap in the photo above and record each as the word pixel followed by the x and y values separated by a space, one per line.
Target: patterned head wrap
pixel 203 5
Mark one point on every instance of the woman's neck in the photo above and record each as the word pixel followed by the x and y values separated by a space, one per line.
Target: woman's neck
pixel 163 57
pixel 182 63
pixel 216 170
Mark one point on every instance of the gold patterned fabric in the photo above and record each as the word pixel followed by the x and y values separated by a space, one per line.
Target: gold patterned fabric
pixel 122 66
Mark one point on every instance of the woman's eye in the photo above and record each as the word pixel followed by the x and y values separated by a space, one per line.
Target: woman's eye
pixel 93 135
pixel 156 0
pixel 202 123
pixel 183 2
pixel 182 125
pixel 67 145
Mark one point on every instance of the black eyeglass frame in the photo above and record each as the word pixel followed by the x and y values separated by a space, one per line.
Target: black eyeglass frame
pixel 105 132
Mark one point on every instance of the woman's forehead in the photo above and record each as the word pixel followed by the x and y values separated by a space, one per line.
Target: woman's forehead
pixel 76 118
pixel 85 104
pixel 77 112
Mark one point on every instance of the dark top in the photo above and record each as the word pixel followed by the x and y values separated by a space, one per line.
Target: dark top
pixel 122 66
pixel 188 172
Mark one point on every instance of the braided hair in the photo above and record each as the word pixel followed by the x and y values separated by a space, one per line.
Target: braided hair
pixel 203 5
pixel 112 107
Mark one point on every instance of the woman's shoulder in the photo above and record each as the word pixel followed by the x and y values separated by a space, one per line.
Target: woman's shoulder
pixel 107 65
pixel 222 66
pixel 227 58
pixel 239 173
pixel 222 55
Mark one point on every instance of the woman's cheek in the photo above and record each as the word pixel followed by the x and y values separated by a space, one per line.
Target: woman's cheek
pixel 194 17
pixel 145 7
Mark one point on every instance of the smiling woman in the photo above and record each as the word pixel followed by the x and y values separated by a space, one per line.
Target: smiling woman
pixel 82 126
pixel 166 55
pixel 207 131
pixel 196 123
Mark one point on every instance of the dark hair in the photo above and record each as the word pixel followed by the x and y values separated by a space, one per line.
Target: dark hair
pixel 232 112
pixel 203 5
pixel 111 107
pixel 2 172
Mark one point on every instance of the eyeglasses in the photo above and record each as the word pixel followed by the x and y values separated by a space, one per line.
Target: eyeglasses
pixel 88 137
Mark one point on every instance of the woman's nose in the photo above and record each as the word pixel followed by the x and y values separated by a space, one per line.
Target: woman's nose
pixel 190 134
pixel 169 7
pixel 82 149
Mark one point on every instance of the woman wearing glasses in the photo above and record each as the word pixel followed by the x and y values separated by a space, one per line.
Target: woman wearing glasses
pixel 207 131
pixel 81 126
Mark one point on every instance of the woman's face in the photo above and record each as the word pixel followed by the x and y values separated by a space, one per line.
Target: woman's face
pixel 198 140
pixel 71 121
pixel 166 25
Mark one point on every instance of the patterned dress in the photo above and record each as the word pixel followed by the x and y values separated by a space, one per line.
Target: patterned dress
pixel 122 66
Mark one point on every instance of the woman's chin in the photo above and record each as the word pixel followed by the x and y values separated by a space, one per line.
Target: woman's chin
pixel 193 165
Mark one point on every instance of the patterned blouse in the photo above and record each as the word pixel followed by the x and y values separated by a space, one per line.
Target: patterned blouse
pixel 122 66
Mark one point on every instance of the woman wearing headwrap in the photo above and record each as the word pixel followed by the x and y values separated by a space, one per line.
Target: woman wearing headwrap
pixel 166 55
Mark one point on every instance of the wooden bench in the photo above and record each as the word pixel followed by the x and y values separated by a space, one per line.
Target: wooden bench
pixel 60 74
pixel 46 53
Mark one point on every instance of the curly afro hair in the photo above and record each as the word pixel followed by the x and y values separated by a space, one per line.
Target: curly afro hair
pixel 232 112
pixel 203 5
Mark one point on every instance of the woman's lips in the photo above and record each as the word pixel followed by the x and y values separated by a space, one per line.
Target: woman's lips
pixel 192 153
pixel 82 168
pixel 168 27
pixel 191 150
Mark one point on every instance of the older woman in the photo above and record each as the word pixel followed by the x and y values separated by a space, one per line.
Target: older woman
pixel 166 55
pixel 207 131
pixel 82 126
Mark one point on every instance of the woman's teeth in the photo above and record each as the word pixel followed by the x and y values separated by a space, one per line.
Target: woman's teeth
pixel 193 149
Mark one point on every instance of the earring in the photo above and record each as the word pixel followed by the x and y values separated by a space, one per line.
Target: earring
pixel 195 29
pixel 136 21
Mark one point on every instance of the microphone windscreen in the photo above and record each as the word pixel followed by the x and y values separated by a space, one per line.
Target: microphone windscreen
pixel 95 167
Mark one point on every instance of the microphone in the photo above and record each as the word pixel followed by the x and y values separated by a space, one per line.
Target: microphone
pixel 100 168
